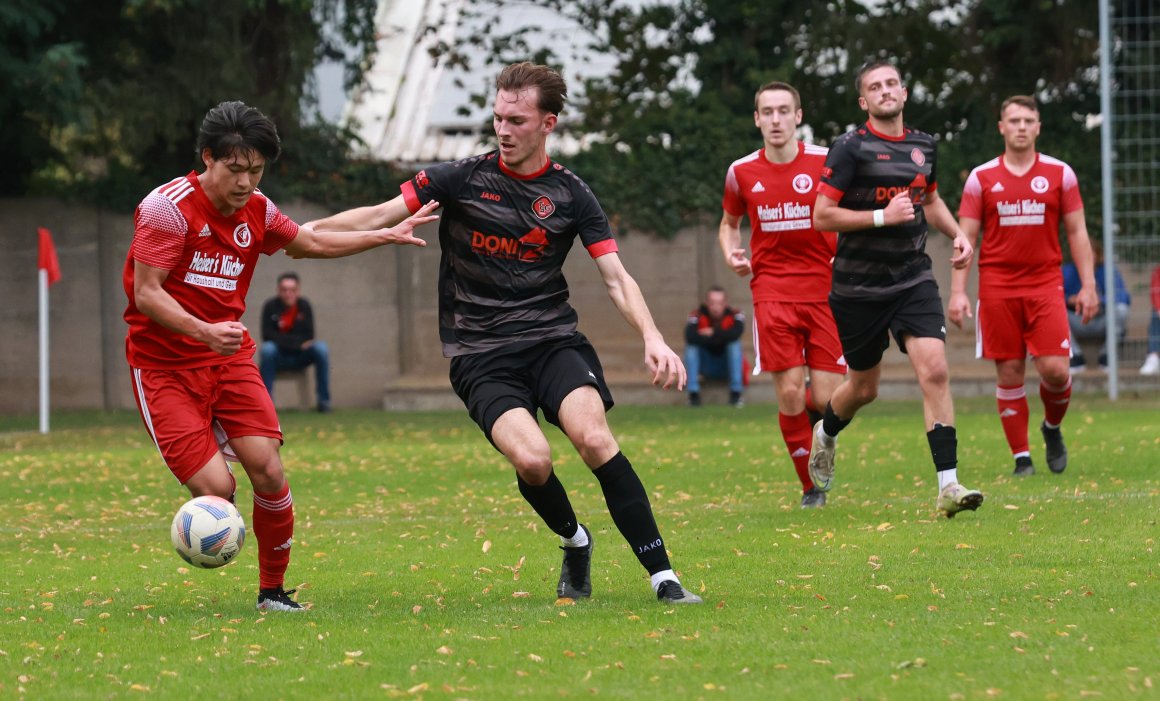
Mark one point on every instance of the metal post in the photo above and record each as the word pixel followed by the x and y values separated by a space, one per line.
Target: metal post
pixel 1106 182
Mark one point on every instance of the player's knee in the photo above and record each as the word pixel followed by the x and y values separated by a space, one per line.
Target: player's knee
pixel 935 374
pixel 866 392
pixel 595 446
pixel 265 472
pixel 533 466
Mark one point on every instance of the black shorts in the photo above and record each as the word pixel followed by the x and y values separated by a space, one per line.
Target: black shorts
pixel 536 377
pixel 865 326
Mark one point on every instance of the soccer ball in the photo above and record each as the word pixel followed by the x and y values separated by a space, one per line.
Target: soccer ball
pixel 208 532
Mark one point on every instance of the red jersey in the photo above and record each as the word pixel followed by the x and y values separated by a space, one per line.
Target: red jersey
pixel 210 259
pixel 1020 254
pixel 791 259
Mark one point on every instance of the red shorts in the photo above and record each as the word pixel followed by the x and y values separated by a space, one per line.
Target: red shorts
pixel 1009 328
pixel 191 414
pixel 791 334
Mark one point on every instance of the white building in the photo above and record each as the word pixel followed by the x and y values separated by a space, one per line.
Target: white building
pixel 411 108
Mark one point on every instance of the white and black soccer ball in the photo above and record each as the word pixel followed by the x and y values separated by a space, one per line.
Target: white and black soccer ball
pixel 208 531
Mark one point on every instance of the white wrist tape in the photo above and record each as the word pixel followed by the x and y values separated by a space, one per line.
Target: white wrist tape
pixel 879 218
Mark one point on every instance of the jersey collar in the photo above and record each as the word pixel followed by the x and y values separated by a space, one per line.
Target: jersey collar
pixel 518 176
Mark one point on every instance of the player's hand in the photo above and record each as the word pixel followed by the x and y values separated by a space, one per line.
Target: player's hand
pixel 1087 303
pixel 404 231
pixel 959 307
pixel 963 252
pixel 224 337
pixel 739 262
pixel 706 332
pixel 900 209
pixel 665 365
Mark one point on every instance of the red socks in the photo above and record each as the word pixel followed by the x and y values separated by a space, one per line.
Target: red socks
pixel 1055 402
pixel 273 523
pixel 798 436
pixel 1013 414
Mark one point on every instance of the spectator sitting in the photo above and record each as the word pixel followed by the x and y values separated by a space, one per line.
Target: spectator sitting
pixel 1151 364
pixel 713 346
pixel 1097 327
pixel 288 341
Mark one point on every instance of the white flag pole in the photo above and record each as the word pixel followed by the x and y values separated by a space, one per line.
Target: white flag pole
pixel 43 283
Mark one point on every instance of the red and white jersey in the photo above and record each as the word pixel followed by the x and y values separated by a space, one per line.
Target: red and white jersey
pixel 1020 253
pixel 791 260
pixel 210 259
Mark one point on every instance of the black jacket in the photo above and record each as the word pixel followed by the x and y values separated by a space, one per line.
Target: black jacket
pixel 726 330
pixel 301 331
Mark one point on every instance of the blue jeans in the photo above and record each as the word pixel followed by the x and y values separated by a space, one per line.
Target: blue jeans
pixel 273 360
pixel 1097 328
pixel 727 366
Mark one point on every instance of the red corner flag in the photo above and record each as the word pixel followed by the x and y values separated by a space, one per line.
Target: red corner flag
pixel 47 258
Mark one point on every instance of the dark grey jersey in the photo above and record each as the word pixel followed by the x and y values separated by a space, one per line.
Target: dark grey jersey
pixel 504 239
pixel 864 170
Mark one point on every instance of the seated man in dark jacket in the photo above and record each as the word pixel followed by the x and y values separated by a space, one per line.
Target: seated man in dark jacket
pixel 713 346
pixel 288 341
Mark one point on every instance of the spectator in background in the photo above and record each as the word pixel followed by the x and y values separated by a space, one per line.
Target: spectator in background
pixel 288 341
pixel 713 346
pixel 1097 327
pixel 1151 364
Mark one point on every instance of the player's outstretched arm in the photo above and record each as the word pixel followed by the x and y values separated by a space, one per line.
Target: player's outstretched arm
pixel 312 242
pixel 225 337
pixel 959 305
pixel 664 364
pixel 379 216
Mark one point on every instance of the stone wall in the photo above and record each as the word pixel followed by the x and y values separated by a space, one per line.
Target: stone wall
pixel 377 311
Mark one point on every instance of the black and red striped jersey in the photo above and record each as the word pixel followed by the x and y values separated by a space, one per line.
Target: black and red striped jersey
pixel 864 170
pixel 504 239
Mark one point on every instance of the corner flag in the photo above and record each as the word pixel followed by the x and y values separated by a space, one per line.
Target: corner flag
pixel 47 259
pixel 48 274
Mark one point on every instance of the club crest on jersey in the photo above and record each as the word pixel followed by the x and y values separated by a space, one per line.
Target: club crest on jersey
pixel 242 236
pixel 917 156
pixel 543 207
pixel 1039 184
pixel 802 183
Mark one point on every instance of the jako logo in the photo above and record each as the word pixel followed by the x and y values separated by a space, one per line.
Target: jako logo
pixel 650 546
pixel 489 196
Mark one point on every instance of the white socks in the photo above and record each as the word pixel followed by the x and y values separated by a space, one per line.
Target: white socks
pixel 579 540
pixel 663 576
pixel 946 477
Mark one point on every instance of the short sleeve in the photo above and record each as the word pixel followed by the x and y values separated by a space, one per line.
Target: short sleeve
pixel 839 170
pixel 732 201
pixel 159 230
pixel 438 183
pixel 592 224
pixel 971 206
pixel 280 229
pixel 1071 197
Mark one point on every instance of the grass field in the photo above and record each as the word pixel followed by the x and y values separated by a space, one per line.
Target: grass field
pixel 430 578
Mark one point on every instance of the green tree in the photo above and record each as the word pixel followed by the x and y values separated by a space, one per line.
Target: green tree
pixel 42 84
pixel 677 107
pixel 150 69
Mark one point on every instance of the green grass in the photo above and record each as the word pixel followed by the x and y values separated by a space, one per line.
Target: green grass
pixel 429 577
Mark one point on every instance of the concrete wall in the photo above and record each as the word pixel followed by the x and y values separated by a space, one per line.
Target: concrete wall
pixel 377 311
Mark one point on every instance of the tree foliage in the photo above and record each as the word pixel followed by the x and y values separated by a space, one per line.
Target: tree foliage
pixel 677 108
pixel 107 95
